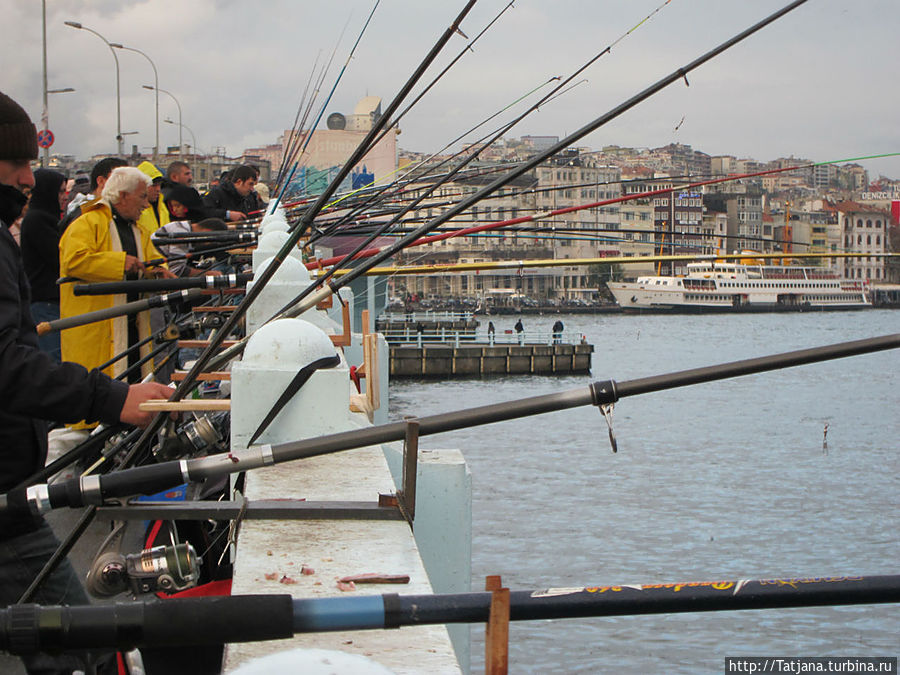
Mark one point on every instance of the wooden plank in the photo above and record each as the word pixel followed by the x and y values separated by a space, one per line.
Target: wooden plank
pixel 218 308
pixel 344 339
pixel 201 344
pixel 496 632
pixel 373 382
pixel 179 375
pixel 187 405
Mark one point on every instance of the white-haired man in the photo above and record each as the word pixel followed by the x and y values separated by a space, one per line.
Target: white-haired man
pixel 105 244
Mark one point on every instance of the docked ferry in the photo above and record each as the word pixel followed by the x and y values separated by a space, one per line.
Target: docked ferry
pixel 718 286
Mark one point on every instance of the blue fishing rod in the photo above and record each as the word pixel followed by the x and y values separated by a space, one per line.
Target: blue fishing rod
pixel 27 629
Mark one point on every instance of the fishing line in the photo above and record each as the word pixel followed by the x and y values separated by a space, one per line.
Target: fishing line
pixel 330 94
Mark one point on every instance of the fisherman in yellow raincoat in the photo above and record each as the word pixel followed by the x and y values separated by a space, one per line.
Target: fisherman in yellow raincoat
pixel 156 214
pixel 106 244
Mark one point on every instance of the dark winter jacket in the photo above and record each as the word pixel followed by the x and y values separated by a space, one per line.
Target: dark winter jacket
pixel 40 236
pixel 225 197
pixel 34 387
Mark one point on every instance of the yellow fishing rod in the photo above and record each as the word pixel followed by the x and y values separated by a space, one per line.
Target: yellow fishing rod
pixel 618 260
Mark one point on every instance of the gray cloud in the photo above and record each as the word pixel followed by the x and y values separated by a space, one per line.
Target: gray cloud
pixel 818 84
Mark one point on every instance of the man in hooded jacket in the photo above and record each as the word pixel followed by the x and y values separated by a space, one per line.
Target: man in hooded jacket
pixel 156 215
pixel 40 251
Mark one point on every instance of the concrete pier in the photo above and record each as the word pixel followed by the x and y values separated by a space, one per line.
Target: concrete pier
pixel 474 360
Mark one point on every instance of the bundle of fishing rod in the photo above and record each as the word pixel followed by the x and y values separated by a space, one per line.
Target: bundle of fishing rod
pixel 191 457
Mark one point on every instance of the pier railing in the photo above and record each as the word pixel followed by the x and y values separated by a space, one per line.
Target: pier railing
pixel 455 337
pixel 414 317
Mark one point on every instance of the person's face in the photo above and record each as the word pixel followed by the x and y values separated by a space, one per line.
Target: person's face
pixel 245 187
pixel 177 209
pixel 153 192
pixel 184 176
pixel 132 204
pixel 63 197
pixel 16 173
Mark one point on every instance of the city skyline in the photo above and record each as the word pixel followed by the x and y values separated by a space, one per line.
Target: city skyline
pixel 814 85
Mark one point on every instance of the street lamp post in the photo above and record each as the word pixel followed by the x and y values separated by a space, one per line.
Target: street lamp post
pixel 180 143
pixel 119 139
pixel 156 88
pixel 45 120
pixel 45 115
pixel 185 126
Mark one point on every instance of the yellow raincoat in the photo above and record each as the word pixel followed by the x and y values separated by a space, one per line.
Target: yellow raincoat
pixel 148 220
pixel 90 250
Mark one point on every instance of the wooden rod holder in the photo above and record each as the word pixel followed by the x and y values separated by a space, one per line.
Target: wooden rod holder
pixel 407 492
pixel 496 632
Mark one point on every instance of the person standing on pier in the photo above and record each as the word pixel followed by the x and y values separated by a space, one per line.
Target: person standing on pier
pixel 40 251
pixel 520 331
pixel 105 244
pixel 557 332
pixel 155 215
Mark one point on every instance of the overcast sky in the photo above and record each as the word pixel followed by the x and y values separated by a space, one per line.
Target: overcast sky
pixel 821 83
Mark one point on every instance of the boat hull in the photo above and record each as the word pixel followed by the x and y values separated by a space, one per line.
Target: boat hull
pixel 638 298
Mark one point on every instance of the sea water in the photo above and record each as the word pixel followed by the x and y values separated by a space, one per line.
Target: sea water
pixel 792 473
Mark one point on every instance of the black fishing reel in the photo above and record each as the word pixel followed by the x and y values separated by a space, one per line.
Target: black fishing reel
pixel 161 568
pixel 200 435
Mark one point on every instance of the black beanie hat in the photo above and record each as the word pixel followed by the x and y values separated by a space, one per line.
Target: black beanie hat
pixel 18 137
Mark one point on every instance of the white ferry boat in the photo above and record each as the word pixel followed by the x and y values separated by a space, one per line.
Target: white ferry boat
pixel 711 286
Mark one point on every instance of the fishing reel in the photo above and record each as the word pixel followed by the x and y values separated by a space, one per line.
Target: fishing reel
pixel 161 568
pixel 198 436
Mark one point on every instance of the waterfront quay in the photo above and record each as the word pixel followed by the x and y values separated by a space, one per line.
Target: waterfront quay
pixel 457 359
pixel 405 325
pixel 447 344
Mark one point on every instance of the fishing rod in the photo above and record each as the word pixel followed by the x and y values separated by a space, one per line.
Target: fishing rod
pixel 253 618
pixel 229 236
pixel 387 192
pixel 503 129
pixel 680 74
pixel 315 124
pixel 180 297
pixel 216 339
pixel 556 233
pixel 306 221
pixel 285 153
pixel 466 48
pixel 199 254
pixel 155 478
pixel 136 366
pixel 291 147
pixel 618 260
pixel 156 285
pixel 545 99
pixel 96 440
pixel 426 193
pixel 421 241
pixel 438 180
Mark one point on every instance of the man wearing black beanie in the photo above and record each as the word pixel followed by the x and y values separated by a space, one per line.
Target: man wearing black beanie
pixel 36 388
